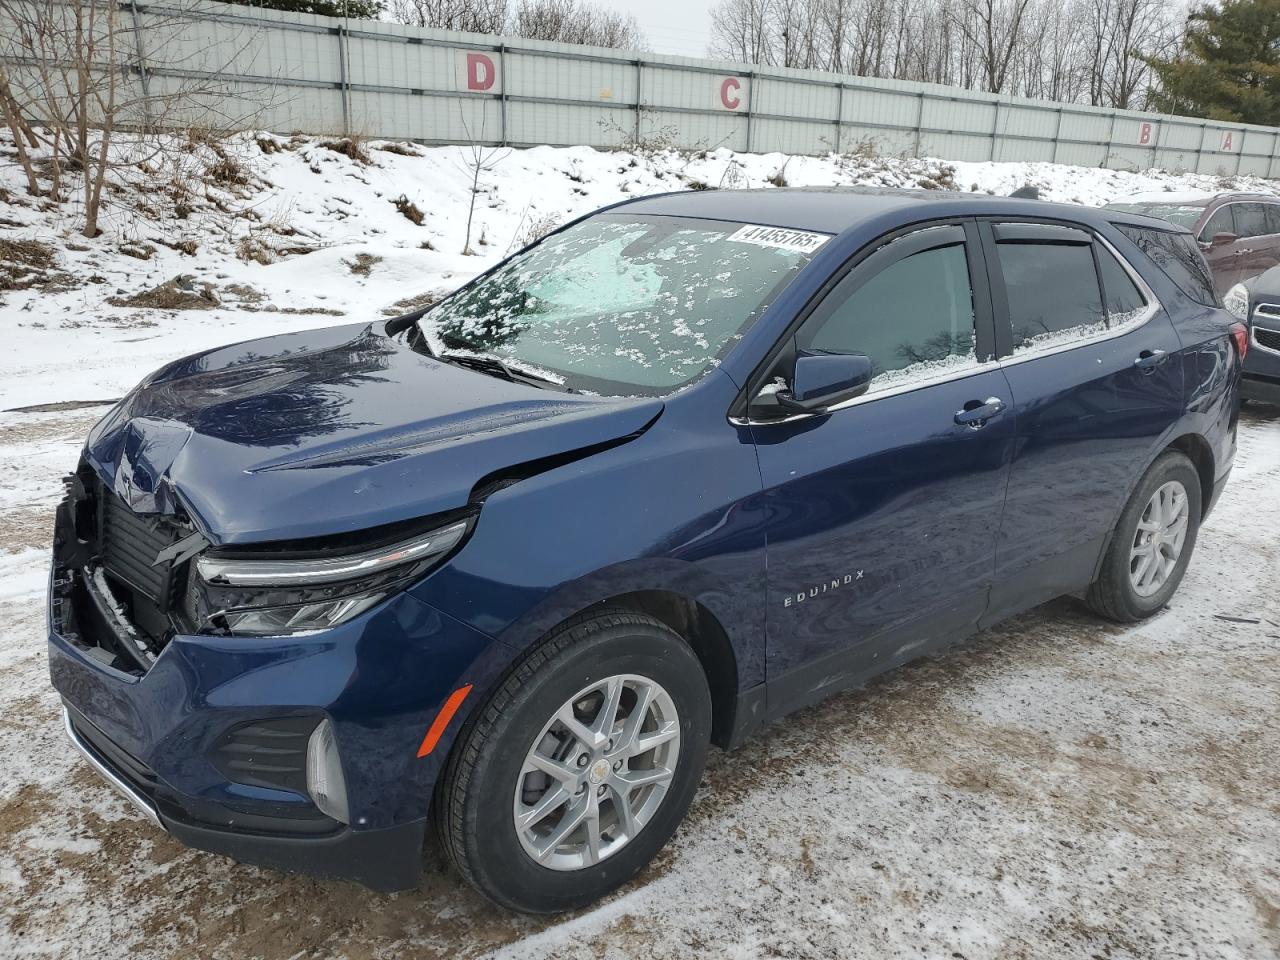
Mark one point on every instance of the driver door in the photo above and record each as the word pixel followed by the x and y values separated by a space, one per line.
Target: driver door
pixel 883 510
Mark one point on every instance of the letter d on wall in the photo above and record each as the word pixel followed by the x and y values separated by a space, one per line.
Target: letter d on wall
pixel 479 72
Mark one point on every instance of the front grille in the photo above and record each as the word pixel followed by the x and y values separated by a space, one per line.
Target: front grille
pixel 1270 339
pixel 129 548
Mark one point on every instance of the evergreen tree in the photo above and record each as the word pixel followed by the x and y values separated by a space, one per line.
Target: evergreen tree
pixel 1228 67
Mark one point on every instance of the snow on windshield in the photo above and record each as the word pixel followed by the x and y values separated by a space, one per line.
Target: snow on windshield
pixel 623 305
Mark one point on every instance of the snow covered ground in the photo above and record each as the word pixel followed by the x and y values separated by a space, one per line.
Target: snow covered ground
pixel 1059 787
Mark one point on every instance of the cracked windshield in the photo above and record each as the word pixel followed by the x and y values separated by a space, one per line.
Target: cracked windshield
pixel 623 305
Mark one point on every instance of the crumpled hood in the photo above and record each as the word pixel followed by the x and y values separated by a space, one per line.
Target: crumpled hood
pixel 332 430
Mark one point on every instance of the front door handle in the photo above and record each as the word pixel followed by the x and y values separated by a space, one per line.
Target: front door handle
pixel 976 413
pixel 1150 359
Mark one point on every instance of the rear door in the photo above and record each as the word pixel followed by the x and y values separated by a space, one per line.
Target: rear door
pixel 1091 360
pixel 882 513
pixel 1256 248
pixel 1225 259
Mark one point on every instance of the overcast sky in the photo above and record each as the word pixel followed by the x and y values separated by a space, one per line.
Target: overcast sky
pixel 680 27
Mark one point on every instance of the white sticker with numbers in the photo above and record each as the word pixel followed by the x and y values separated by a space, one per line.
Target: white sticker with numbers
pixel 780 237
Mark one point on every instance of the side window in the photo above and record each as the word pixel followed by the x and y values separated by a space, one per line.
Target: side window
pixel 1178 256
pixel 913 319
pixel 1124 301
pixel 1220 222
pixel 1251 219
pixel 1053 293
pixel 1273 217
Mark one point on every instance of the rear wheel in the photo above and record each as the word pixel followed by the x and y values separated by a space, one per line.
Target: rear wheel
pixel 580 767
pixel 1152 543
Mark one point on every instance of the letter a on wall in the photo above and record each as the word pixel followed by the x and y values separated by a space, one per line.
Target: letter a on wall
pixel 478 72
pixel 1228 141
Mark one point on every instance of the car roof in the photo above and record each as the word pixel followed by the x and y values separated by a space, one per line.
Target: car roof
pixel 836 209
pixel 1196 198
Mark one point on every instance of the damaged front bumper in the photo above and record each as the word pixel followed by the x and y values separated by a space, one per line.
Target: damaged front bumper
pixel 183 739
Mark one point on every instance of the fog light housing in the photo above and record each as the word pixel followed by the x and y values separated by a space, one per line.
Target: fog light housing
pixel 325 782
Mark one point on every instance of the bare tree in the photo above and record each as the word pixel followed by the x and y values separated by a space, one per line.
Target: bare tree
pixel 574 21
pixel 72 80
pixel 475 16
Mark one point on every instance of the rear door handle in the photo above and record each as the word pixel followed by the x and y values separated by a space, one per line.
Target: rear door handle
pixel 1150 359
pixel 976 413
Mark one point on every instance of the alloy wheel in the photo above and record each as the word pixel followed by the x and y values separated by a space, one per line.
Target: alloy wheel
pixel 597 772
pixel 1158 541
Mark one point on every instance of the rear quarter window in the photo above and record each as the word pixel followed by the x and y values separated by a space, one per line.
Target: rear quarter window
pixel 1177 255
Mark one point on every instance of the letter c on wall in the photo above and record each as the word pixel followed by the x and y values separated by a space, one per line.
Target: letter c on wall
pixel 729 88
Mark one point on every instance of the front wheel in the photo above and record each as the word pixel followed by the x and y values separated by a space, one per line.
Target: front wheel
pixel 580 767
pixel 1151 544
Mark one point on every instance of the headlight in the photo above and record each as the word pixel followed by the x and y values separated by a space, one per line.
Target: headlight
pixel 262 595
pixel 1237 301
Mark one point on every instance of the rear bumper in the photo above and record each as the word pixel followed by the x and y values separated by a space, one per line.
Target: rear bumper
pixel 1260 389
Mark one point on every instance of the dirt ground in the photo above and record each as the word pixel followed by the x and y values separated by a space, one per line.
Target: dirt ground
pixel 1059 787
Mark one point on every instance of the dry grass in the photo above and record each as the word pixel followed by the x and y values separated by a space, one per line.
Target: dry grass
pixel 409 209
pixel 23 263
pixel 180 293
pixel 350 147
pixel 363 264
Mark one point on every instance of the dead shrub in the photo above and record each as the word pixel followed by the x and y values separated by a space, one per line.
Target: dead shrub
pixel 400 149
pixel 411 303
pixel 139 251
pixel 363 264
pixel 409 209
pixel 227 171
pixel 538 227
pixel 349 147
pixel 183 292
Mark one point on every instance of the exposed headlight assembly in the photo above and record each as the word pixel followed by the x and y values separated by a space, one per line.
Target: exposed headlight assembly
pixel 263 595
pixel 1236 300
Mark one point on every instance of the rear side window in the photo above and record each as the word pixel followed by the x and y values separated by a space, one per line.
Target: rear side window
pixel 1273 217
pixel 1053 293
pixel 914 318
pixel 1179 257
pixel 1124 301
pixel 1251 219
pixel 1220 222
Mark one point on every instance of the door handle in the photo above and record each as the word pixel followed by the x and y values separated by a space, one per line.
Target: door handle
pixel 976 413
pixel 1150 359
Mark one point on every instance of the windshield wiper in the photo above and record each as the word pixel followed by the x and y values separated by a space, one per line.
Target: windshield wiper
pixel 497 367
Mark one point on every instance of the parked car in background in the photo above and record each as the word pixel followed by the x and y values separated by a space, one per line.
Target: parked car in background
pixel 1238 232
pixel 1257 301
pixel 510 564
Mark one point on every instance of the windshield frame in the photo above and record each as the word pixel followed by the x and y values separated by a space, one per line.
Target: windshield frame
pixel 576 381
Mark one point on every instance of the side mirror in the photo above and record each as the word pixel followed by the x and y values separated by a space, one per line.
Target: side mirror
pixel 1220 238
pixel 822 380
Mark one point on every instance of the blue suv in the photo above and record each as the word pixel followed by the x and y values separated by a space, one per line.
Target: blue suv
pixel 510 565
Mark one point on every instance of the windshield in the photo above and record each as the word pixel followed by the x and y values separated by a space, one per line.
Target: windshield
pixel 623 305
pixel 1177 213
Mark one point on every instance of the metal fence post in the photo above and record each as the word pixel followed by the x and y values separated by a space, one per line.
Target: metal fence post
pixel 342 77
pixel 995 128
pixel 1057 135
pixel 839 113
pixel 502 90
pixel 919 124
pixel 751 96
pixel 141 54
pixel 1275 144
pixel 1204 128
pixel 1111 141
pixel 639 95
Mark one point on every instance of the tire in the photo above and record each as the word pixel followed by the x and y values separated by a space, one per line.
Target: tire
pixel 477 803
pixel 1115 594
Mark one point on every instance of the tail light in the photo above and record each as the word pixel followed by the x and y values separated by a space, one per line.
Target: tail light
pixel 1240 335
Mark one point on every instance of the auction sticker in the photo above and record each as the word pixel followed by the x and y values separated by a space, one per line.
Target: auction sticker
pixel 780 237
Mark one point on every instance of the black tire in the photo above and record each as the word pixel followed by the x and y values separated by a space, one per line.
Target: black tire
pixel 473 807
pixel 1113 595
